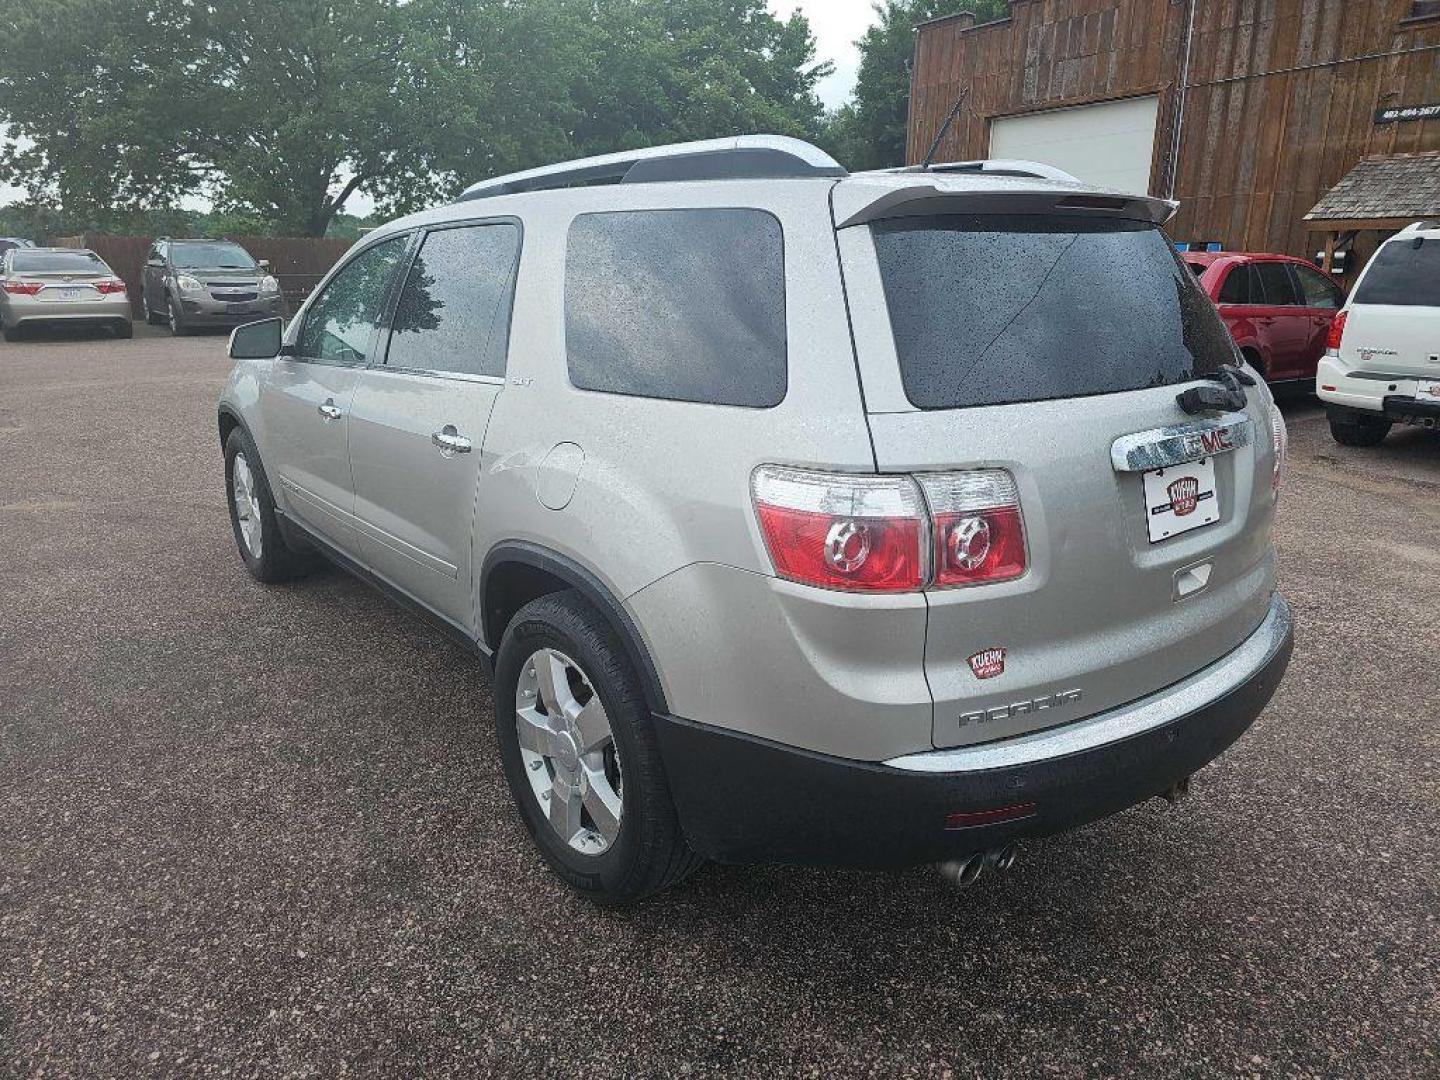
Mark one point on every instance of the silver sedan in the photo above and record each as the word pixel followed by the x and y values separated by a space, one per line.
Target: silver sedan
pixel 41 286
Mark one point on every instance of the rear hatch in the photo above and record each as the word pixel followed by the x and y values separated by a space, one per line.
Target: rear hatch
pixel 1052 344
pixel 1392 323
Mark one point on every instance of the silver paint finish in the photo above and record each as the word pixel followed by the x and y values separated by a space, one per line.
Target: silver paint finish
pixel 1209 684
pixel 661 514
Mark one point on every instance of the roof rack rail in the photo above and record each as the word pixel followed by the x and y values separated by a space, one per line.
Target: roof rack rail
pixel 740 157
pixel 994 167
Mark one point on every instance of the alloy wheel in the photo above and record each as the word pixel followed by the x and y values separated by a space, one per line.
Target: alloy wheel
pixel 247 504
pixel 568 751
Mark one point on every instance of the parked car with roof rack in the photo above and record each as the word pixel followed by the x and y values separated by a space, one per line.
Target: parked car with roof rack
pixel 1382 364
pixel 1277 308
pixel 41 286
pixel 189 284
pixel 803 516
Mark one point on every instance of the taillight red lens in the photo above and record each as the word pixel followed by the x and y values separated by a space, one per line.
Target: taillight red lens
pixel 115 286
pixel 1337 331
pixel 879 534
pixel 859 533
pixel 22 288
pixel 979 535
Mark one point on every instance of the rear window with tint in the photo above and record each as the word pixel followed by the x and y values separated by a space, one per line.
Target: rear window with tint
pixel 681 304
pixel 1403 273
pixel 58 262
pixel 994 309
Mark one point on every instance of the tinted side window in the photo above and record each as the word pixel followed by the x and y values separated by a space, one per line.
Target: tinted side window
pixel 681 304
pixel 1237 287
pixel 1275 281
pixel 454 311
pixel 1316 290
pixel 341 322
pixel 1403 272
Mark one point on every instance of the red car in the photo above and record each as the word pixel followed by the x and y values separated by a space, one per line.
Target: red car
pixel 1278 308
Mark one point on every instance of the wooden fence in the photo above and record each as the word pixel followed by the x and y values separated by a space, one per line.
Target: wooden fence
pixel 298 262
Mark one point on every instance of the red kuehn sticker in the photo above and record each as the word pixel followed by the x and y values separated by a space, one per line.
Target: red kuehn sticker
pixel 1184 495
pixel 987 663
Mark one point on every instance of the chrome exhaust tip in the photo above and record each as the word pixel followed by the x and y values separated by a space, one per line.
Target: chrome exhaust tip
pixel 962 873
pixel 1002 858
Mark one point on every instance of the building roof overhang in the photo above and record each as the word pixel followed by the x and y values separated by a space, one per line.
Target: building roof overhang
pixel 1381 192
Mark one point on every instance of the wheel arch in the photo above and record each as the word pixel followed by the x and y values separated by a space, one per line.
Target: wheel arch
pixel 516 571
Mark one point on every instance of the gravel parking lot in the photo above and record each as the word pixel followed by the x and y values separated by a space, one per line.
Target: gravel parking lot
pixel 260 831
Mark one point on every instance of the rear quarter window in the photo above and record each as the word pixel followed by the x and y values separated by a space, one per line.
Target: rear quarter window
pixel 997 309
pixel 1403 272
pixel 686 305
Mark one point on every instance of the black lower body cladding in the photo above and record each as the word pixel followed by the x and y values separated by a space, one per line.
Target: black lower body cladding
pixel 744 800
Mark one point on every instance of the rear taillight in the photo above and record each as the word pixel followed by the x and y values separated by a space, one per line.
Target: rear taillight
pixel 115 285
pixel 1337 331
pixel 879 534
pixel 21 288
pixel 978 536
pixel 860 533
pixel 1280 439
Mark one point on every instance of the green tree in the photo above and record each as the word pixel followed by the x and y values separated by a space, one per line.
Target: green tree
pixel 278 112
pixel 869 131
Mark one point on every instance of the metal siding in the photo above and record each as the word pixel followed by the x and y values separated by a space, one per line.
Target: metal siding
pixel 1256 152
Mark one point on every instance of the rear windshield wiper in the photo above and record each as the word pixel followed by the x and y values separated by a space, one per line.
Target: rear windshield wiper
pixel 1229 396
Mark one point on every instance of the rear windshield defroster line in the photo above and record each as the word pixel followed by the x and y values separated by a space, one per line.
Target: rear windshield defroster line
pixel 998 309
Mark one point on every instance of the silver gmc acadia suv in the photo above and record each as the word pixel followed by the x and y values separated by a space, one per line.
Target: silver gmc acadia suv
pixel 868 519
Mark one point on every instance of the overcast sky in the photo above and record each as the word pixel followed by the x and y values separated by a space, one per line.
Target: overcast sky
pixel 836 25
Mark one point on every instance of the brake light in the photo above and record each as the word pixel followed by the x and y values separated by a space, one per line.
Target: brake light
pixel 1280 439
pixel 979 536
pixel 21 288
pixel 114 285
pixel 891 533
pixel 858 533
pixel 1337 331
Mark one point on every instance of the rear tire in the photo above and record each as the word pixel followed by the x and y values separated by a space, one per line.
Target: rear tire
pixel 13 333
pixel 1355 429
pixel 647 850
pixel 252 516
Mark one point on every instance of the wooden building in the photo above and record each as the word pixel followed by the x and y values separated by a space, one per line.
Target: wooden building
pixel 1247 111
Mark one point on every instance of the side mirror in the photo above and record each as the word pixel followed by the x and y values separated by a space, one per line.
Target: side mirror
pixel 264 264
pixel 256 340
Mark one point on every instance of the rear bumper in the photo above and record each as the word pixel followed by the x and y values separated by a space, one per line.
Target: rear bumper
pixel 29 312
pixel 1391 393
pixel 745 799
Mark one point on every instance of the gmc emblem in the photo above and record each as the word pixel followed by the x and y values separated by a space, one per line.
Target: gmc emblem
pixel 1217 441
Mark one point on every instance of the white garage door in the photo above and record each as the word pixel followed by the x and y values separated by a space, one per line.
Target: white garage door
pixel 1107 144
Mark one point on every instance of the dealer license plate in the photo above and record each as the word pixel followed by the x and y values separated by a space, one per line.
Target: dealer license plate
pixel 1180 498
pixel 1427 390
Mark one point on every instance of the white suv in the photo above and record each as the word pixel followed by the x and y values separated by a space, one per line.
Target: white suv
pixel 1382 363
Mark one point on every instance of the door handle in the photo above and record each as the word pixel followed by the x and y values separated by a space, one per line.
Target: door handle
pixel 449 441
pixel 329 410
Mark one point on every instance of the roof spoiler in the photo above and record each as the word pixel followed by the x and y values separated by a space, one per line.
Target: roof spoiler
pixel 857 203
